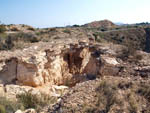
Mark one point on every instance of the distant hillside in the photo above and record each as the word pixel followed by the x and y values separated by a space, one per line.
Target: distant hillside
pixel 101 24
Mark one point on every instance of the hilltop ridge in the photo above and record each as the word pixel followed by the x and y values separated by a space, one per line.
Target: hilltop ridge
pixel 100 24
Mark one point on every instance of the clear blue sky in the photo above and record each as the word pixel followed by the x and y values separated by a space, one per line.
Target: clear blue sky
pixel 49 13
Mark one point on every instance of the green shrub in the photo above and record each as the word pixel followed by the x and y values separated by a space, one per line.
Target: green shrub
pixel 76 25
pixel 2 29
pixel 106 93
pixel 9 106
pixel 67 31
pixel 138 57
pixel 11 41
pixel 106 97
pixel 133 103
pixel 2 109
pixel 35 101
pixel 38 33
pixel 128 51
pixel 28 100
pixel 89 109
pixel 145 91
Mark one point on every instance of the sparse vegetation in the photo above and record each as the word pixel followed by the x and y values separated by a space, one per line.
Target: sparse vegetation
pixel 128 51
pixel 76 25
pixel 2 29
pixel 7 106
pixel 106 93
pixel 133 103
pixel 12 41
pixel 35 101
pixel 144 90
pixel 99 37
pixel 2 109
pixel 106 98
pixel 67 31
pixel 37 33
pixel 25 101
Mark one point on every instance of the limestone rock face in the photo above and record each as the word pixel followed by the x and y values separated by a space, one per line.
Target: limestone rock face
pixel 61 63
pixel 30 70
pixel 47 63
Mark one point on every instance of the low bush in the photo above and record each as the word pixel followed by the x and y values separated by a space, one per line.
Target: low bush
pixel 67 31
pixel 25 101
pixel 9 42
pixel 138 57
pixel 2 109
pixel 144 90
pixel 8 106
pixel 106 93
pixel 106 97
pixel 76 25
pixel 2 29
pixel 133 103
pixel 128 51
pixel 35 101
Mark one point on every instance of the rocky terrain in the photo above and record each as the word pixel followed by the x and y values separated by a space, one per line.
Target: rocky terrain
pixel 99 68
pixel 100 24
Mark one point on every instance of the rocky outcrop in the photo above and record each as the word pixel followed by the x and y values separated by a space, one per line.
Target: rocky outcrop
pixel 59 63
pixel 40 65
pixel 101 24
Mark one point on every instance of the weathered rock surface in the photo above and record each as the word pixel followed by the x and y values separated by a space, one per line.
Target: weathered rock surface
pixel 39 65
pixel 44 63
pixel 26 111
pixel 11 91
pixel 57 63
pixel 44 67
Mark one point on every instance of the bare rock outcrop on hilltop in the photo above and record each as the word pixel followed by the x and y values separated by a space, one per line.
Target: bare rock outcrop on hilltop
pixel 101 24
